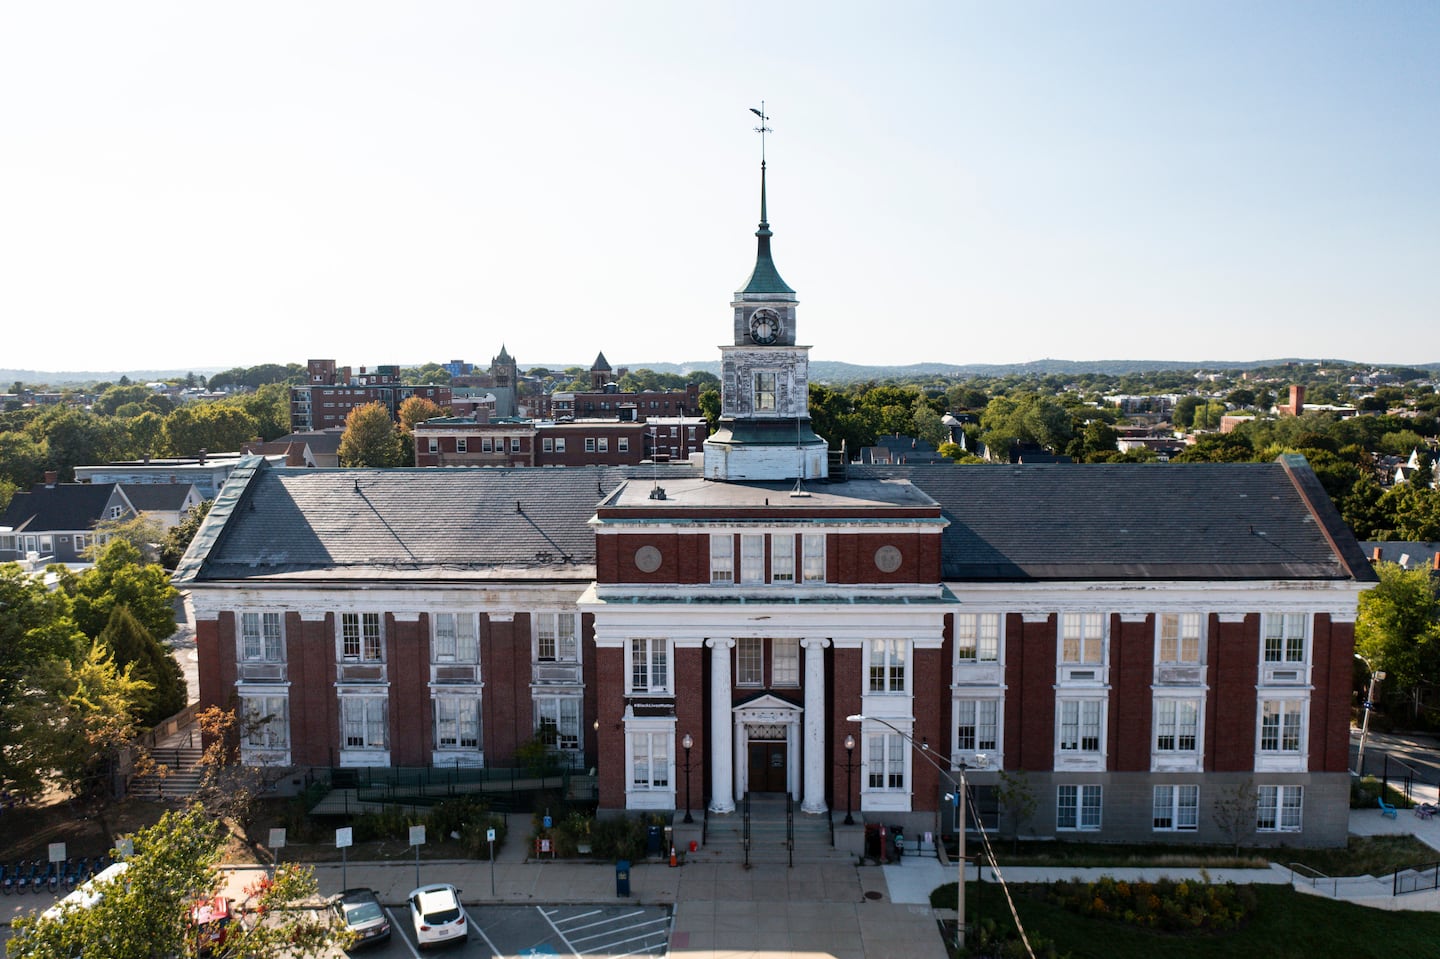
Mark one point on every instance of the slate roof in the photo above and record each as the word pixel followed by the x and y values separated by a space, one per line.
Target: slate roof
pixel 1164 521
pixel 1114 522
pixel 156 496
pixel 65 506
pixel 359 523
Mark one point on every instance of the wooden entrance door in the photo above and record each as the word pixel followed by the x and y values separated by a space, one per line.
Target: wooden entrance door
pixel 768 768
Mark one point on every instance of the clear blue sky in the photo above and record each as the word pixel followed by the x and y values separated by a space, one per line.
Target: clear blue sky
pixel 188 185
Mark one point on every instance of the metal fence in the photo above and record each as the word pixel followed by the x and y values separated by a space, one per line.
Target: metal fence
pixel 364 788
pixel 1417 879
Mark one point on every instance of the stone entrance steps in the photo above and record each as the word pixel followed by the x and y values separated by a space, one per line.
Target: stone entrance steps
pixel 725 839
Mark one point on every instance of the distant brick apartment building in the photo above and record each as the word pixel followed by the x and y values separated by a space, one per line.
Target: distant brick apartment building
pixel 330 393
pixel 472 441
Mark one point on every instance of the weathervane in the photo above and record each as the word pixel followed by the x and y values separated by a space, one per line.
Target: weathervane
pixel 762 129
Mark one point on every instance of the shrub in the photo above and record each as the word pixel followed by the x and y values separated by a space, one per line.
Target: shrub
pixel 619 838
pixel 1165 904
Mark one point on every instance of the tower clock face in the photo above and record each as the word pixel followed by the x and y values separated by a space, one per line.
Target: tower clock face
pixel 765 327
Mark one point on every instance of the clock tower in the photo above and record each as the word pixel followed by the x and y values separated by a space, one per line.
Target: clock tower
pixel 764 431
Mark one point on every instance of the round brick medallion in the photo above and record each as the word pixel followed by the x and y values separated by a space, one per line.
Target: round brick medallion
pixel 887 559
pixel 647 559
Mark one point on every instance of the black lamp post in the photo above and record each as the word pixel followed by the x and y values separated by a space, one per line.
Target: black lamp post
pixel 686 744
pixel 849 780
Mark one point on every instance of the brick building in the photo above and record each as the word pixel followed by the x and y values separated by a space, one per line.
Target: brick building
pixel 472 441
pixel 330 393
pixel 1143 643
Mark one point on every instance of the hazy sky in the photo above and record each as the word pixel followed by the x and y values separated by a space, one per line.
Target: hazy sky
pixel 200 184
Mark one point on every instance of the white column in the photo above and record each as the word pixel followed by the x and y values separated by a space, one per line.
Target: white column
pixel 722 735
pixel 815 759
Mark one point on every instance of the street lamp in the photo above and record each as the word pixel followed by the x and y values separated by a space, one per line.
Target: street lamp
pixel 960 809
pixel 849 780
pixel 686 744
pixel 1375 677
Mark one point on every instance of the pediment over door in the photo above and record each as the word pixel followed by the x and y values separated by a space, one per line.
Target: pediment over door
pixel 767 709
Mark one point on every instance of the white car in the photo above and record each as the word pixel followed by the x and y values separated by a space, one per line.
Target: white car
pixel 436 912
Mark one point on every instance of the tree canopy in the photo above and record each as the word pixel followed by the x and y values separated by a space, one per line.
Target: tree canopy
pixel 1398 626
pixel 120 578
pixel 370 438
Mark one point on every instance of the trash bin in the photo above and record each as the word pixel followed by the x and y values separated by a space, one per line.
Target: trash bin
pixel 622 877
pixel 654 841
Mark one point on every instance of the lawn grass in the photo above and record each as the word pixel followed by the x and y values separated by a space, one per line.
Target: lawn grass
pixel 1363 856
pixel 1286 925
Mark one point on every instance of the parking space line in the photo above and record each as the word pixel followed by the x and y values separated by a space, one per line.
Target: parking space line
pixel 603 922
pixel 556 912
pixel 613 932
pixel 476 926
pixel 563 937
pixel 609 945
pixel 394 924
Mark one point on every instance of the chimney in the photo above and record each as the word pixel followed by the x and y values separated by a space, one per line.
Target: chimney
pixel 1435 562
pixel 203 453
pixel 51 478
pixel 1297 399
pixel 1375 555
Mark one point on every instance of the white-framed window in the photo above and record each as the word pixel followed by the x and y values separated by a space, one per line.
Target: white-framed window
pixel 722 558
pixel 1279 808
pixel 1282 726
pixel 80 542
pixel 455 638
pixel 556 638
pixel 116 512
pixel 514 444
pixel 749 661
pixel 364 722
pixel 649 665
pixel 434 444
pixel 559 444
pixel 589 444
pixel 603 444
pixel 1175 809
pixel 1177 724
pixel 977 637
pixel 785 662
pixel 650 760
pixel 887 665
pixel 885 761
pixel 547 445
pixel 462 445
pixel 1283 637
pixel 1082 638
pixel 782 558
pixel 812 553
pixel 360 639
pixel 557 721
pixel 47 545
pixel 622 444
pixel 977 725
pixel 752 558
pixel 457 722
pixel 765 391
pixel 1081 723
pixel 1078 807
pixel 267 720
pixel 261 638
pixel 1179 638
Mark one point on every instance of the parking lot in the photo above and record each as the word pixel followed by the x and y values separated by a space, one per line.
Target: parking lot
pixel 512 932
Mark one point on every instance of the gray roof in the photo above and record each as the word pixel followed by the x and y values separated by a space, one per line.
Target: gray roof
pixel 1413 553
pixel 362 523
pixel 147 496
pixel 1204 521
pixel 1113 521
pixel 65 506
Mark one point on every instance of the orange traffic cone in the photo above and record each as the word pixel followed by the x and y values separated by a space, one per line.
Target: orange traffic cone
pixel 673 861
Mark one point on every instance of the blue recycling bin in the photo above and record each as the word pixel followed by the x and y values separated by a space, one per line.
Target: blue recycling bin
pixel 622 877
pixel 655 841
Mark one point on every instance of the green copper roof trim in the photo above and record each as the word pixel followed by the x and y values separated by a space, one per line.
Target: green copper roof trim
pixel 764 278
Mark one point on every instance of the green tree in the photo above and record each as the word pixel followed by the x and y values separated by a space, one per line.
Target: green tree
pixel 117 396
pixel 146 914
pixel 370 438
pixel 145 428
pixel 710 408
pixel 268 406
pixel 1398 626
pixel 177 538
pixel 418 409
pixel 120 578
pixel 22 458
pixel 140 532
pixel 74 437
pixel 1017 798
pixel 216 427
pixel 1026 418
pixel 135 649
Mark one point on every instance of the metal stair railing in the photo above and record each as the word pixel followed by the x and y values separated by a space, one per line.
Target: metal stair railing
pixel 790 829
pixel 745 832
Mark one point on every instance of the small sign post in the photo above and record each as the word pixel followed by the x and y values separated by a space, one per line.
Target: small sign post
pixel 277 843
pixel 490 838
pixel 344 839
pixel 417 839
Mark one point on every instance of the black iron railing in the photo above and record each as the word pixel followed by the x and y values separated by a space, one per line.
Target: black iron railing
pixel 790 829
pixel 745 829
pixel 1417 879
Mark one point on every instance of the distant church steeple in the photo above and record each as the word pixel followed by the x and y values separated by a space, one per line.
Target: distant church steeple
pixel 764 431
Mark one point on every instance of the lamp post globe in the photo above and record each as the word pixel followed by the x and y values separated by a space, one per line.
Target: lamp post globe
pixel 687 744
pixel 849 780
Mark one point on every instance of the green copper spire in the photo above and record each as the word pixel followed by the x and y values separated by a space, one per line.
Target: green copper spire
pixel 764 278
